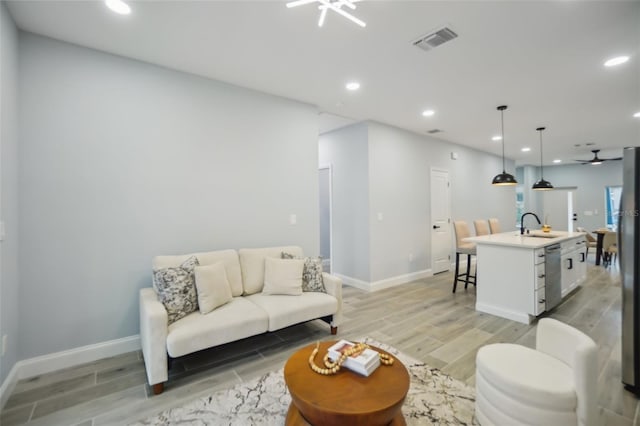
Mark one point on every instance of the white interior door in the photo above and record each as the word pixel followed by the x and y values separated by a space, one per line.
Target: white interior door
pixel 440 221
pixel 558 209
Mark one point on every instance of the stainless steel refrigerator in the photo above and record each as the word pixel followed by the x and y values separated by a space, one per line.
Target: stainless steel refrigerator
pixel 629 254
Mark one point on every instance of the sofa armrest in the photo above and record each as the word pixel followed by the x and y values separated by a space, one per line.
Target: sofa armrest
pixel 333 285
pixel 153 336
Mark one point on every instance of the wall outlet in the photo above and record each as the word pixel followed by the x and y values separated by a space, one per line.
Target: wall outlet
pixel 410 257
pixel 4 344
pixel 380 217
pixel 293 219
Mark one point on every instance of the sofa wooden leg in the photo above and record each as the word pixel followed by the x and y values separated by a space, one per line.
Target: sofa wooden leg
pixel 334 330
pixel 158 388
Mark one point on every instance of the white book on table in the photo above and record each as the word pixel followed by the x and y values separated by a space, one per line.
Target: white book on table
pixel 364 362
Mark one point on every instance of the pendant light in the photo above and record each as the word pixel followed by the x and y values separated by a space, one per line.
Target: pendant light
pixel 504 178
pixel 541 185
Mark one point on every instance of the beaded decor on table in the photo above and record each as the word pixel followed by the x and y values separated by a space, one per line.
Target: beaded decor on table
pixel 332 367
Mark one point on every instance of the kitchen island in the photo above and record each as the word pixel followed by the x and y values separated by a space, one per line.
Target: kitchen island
pixel 521 276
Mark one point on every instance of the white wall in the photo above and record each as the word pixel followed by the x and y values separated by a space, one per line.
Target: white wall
pixel 590 193
pixel 9 287
pixel 346 150
pixel 122 160
pixel 398 184
pixel 532 199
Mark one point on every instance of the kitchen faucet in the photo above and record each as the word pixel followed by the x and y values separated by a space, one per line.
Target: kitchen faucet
pixel 522 221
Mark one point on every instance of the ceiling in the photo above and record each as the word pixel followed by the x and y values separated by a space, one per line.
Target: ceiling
pixel 542 59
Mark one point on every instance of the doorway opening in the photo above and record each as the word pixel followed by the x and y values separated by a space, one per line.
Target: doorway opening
pixel 325 184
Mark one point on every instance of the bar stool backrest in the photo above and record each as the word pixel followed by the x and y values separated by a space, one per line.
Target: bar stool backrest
pixel 462 231
pixel 482 227
pixel 494 225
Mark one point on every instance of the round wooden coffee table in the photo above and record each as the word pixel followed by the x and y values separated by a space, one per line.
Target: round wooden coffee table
pixel 345 398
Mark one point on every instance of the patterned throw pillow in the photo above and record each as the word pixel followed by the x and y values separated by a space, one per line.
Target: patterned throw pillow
pixel 311 274
pixel 176 289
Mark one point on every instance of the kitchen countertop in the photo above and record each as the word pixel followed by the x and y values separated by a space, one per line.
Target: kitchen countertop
pixel 535 239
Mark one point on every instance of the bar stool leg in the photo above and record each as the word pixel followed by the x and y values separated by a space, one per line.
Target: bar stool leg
pixel 466 281
pixel 455 275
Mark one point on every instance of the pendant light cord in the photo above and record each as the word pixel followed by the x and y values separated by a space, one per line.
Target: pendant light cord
pixel 540 129
pixel 541 165
pixel 502 129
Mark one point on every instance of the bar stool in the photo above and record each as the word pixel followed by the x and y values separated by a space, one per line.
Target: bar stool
pixel 482 228
pixel 462 231
pixel 494 225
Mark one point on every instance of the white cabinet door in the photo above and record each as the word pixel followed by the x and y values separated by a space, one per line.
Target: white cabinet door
pixel 569 276
pixel 581 265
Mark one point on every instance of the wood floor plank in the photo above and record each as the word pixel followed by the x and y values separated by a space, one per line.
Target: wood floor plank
pixel 461 345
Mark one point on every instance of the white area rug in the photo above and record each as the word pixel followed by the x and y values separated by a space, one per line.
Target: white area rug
pixel 433 398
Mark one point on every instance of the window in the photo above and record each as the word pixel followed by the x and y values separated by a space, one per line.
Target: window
pixel 612 202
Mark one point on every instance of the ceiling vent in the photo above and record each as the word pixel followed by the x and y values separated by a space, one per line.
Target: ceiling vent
pixel 434 131
pixel 435 39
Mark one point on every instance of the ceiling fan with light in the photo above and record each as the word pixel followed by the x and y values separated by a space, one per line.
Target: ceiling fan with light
pixel 597 160
pixel 335 5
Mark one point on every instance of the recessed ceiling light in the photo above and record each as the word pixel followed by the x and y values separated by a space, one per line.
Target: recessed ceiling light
pixel 557 161
pixel 525 149
pixel 496 138
pixel 118 6
pixel 637 114
pixel 428 113
pixel 616 61
pixel 353 85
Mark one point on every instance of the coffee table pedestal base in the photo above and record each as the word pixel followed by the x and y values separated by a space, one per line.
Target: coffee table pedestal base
pixel 295 418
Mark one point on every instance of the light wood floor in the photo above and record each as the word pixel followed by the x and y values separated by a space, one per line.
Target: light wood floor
pixel 421 318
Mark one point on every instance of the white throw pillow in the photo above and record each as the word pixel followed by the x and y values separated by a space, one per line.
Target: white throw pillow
pixel 212 286
pixel 283 276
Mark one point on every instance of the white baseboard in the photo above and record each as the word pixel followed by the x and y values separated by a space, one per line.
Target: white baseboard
pixel 353 282
pixel 8 385
pixel 386 283
pixel 504 313
pixel 56 361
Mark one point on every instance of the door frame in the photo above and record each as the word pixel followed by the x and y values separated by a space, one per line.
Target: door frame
pixel 448 206
pixel 330 168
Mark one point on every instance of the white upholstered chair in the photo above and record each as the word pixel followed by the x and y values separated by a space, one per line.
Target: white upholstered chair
pixel 555 384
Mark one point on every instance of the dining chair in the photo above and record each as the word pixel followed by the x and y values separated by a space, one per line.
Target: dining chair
pixel 609 247
pixel 494 226
pixel 462 247
pixel 591 242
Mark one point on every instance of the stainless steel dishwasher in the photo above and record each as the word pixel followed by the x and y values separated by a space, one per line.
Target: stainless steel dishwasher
pixel 553 273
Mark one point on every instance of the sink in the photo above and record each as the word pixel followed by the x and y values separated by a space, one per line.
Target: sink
pixel 540 234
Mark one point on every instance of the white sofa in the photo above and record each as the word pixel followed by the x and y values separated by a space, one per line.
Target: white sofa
pixel 249 313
